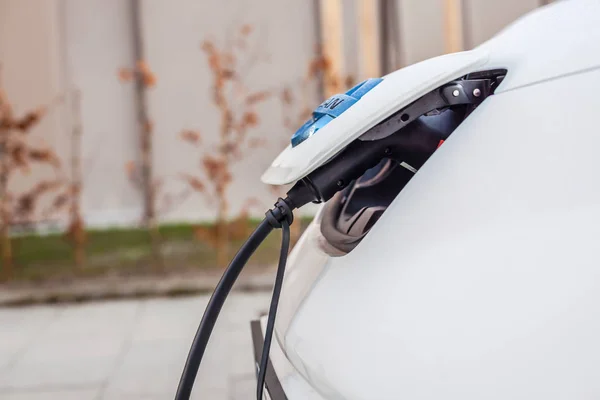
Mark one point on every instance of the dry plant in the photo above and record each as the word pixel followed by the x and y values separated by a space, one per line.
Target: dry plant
pixel 236 104
pixel 70 196
pixel 76 231
pixel 18 155
pixel 141 173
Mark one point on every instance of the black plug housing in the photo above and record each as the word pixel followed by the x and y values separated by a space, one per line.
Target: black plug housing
pixel 412 145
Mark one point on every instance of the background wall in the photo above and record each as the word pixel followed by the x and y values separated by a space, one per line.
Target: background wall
pixel 49 47
pixel 98 41
pixel 31 72
pixel 281 46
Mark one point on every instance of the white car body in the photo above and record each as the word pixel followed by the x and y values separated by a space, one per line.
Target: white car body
pixel 482 278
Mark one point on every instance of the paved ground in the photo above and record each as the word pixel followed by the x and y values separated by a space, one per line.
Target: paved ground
pixel 125 349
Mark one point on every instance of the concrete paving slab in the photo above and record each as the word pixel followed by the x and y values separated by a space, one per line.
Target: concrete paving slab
pixel 132 349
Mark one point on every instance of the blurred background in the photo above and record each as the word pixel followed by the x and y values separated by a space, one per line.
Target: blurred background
pixel 133 134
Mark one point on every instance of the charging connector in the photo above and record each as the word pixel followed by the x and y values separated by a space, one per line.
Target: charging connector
pixel 413 145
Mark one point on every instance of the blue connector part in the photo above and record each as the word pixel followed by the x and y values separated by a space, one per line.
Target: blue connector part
pixel 332 108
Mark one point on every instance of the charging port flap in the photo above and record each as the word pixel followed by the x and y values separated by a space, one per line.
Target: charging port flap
pixel 397 90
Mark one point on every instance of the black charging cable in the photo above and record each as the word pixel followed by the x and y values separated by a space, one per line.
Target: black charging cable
pixel 264 360
pixel 280 216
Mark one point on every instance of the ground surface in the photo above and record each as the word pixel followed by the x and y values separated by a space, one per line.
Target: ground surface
pixel 133 349
pixel 133 287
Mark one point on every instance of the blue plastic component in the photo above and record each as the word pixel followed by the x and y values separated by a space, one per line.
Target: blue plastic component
pixel 332 108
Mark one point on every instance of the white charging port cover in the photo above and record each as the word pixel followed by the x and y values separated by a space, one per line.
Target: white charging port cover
pixel 396 91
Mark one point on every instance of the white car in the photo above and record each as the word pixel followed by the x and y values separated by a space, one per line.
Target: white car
pixel 478 276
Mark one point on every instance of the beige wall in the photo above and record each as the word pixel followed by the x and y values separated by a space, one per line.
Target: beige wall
pixel 486 18
pixel 98 41
pixel 50 46
pixel 421 24
pixel 32 75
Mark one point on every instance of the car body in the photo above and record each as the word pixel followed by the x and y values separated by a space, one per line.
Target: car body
pixel 481 280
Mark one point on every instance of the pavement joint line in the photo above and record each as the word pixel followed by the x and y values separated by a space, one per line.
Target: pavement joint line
pixel 26 346
pixel 125 347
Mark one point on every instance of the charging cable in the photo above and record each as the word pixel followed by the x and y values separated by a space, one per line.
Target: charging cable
pixel 264 360
pixel 280 216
